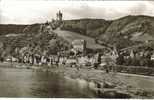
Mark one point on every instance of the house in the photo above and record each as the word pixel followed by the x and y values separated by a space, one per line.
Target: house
pixel 79 45
pixel 152 57
pixel 82 60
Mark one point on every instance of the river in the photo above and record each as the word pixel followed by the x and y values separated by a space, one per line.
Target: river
pixel 28 83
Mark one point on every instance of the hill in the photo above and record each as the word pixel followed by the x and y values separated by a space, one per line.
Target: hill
pixel 120 32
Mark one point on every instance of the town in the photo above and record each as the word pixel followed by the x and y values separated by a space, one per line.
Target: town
pixel 79 55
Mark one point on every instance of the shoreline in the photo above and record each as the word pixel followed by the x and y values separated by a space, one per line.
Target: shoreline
pixel 117 83
pixel 110 83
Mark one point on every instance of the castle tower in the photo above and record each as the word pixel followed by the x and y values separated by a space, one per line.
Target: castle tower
pixel 59 16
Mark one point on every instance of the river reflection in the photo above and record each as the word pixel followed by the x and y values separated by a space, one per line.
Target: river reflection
pixel 28 83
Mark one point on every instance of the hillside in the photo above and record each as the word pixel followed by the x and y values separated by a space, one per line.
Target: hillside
pixel 122 32
pixel 70 36
pixel 115 32
pixel 89 27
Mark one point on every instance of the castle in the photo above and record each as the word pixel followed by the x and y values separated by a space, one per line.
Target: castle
pixel 59 17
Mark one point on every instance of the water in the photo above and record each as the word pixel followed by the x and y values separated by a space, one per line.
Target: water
pixel 28 83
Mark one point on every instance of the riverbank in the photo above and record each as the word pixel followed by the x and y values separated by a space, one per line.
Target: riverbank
pixel 119 85
pixel 113 84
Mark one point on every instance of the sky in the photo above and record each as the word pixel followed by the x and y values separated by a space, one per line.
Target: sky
pixel 39 11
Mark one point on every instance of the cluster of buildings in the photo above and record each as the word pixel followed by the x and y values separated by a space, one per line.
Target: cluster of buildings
pixel 75 56
pixel 137 56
